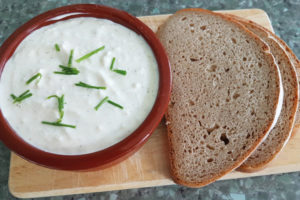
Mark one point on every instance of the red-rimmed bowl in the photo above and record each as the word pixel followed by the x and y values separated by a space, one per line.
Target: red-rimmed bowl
pixel 119 151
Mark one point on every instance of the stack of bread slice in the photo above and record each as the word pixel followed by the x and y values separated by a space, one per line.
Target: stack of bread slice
pixel 234 95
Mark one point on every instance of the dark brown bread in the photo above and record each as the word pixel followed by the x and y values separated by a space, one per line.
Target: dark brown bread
pixel 280 134
pixel 226 94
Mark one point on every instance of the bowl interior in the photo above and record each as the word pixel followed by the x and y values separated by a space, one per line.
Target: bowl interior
pixel 124 148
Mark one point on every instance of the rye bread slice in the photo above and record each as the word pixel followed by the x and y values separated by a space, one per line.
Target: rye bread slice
pixel 226 94
pixel 281 133
pixel 293 58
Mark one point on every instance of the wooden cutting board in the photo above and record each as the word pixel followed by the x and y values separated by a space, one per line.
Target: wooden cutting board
pixel 148 167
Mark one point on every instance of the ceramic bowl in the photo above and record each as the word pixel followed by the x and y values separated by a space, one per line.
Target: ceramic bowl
pixel 112 154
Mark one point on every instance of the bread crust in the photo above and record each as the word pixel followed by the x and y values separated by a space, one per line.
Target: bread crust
pixel 252 168
pixel 262 136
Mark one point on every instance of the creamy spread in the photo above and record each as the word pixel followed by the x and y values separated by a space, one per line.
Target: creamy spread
pixel 95 130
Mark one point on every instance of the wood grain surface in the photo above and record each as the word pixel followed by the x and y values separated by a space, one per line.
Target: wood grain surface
pixel 148 167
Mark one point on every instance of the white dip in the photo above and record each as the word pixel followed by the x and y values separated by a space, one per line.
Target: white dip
pixel 95 130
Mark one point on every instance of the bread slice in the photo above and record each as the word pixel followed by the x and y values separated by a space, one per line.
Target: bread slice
pixel 293 58
pixel 226 94
pixel 281 133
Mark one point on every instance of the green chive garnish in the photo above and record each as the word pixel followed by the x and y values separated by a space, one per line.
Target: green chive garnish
pixel 81 84
pixel 89 54
pixel 112 63
pixel 61 113
pixel 70 58
pixel 67 73
pixel 22 96
pixel 38 75
pixel 119 71
pixel 105 99
pixel 101 102
pixel 67 70
pixel 58 124
pixel 114 104
pixel 13 96
pixel 60 105
pixel 57 47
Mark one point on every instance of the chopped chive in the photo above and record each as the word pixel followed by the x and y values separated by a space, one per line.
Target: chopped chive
pixel 89 54
pixel 26 96
pixel 119 71
pixel 60 105
pixel 64 67
pixel 67 70
pixel 67 73
pixel 112 63
pixel 21 97
pixel 114 104
pixel 58 124
pixel 38 75
pixel 24 93
pixel 81 84
pixel 101 102
pixel 61 113
pixel 70 58
pixel 57 47
pixel 13 96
